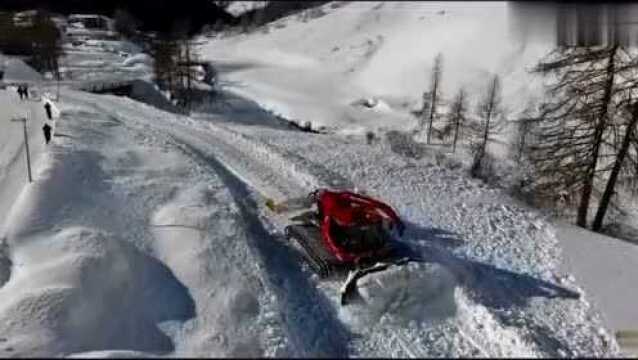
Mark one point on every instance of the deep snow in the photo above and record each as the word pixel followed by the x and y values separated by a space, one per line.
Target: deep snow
pixel 145 231
pixel 145 234
pixel 500 260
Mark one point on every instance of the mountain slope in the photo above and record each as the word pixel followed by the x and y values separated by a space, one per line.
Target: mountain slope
pixel 314 70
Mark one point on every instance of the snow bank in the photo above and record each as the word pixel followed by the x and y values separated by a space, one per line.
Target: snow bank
pixel 78 287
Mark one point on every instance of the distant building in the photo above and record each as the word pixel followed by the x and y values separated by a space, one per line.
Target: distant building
pixel 92 22
pixel 81 27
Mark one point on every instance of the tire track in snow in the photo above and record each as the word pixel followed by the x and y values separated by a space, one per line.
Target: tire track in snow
pixel 302 166
pixel 312 324
pixel 283 274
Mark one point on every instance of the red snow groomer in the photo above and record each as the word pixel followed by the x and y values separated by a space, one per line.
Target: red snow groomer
pixel 346 233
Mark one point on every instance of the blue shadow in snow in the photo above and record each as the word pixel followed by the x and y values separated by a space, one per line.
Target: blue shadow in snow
pixel 488 285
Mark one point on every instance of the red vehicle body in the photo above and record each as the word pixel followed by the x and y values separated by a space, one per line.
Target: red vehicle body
pixel 348 231
pixel 350 213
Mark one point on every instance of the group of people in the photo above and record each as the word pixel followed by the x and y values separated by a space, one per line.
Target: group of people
pixel 47 128
pixel 23 91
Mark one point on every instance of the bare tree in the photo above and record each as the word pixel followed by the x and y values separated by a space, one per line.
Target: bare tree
pixel 165 50
pixel 176 63
pixel 575 120
pixel 435 90
pixel 618 163
pixel 125 23
pixel 44 38
pixel 491 115
pixel 459 108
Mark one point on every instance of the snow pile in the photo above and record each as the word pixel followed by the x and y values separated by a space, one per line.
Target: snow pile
pixel 416 292
pixel 314 70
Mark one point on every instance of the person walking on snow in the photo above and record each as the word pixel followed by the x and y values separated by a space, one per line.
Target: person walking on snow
pixel 20 91
pixel 47 133
pixel 47 107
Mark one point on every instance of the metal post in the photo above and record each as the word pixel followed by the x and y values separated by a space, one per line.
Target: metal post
pixel 26 144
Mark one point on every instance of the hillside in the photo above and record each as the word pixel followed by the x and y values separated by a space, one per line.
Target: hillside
pixel 146 231
pixel 314 70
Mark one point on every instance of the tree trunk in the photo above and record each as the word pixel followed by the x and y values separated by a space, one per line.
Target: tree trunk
pixel 611 183
pixel 458 116
pixel 486 133
pixel 521 148
pixel 456 133
pixel 436 78
pixel 432 107
pixel 581 219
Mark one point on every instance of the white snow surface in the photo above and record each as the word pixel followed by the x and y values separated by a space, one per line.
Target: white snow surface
pixel 144 232
pixel 165 213
pixel 610 283
pixel 16 71
pixel 314 70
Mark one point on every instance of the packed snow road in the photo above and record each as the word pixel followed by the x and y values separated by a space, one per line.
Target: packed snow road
pixel 492 287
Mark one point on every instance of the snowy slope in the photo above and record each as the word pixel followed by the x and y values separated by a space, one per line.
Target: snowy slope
pixel 584 250
pixel 13 168
pixel 493 286
pixel 16 71
pixel 314 71
pixel 107 245
pixel 145 233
